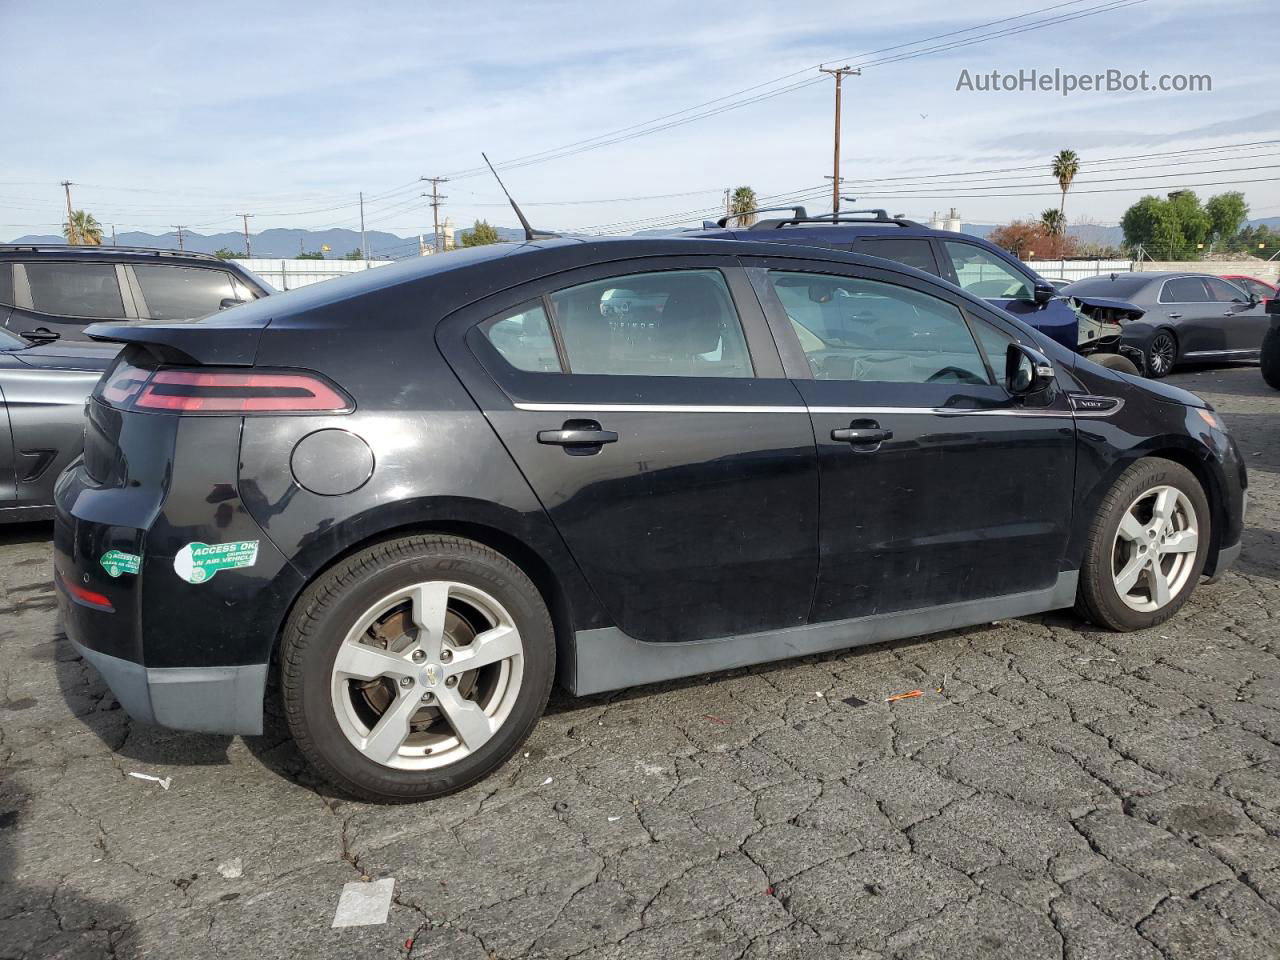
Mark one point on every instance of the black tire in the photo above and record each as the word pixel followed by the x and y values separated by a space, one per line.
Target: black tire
pixel 331 605
pixel 1116 361
pixel 1097 599
pixel 1271 358
pixel 1161 354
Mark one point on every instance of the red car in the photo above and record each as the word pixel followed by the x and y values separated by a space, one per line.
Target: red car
pixel 1259 288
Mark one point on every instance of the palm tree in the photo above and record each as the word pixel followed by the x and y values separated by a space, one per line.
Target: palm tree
pixel 1065 167
pixel 741 205
pixel 1053 221
pixel 82 228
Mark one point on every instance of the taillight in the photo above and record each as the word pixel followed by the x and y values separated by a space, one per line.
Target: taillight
pixel 82 595
pixel 194 391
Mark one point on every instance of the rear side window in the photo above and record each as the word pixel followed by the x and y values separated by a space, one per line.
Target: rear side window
pixel 75 289
pixel 1184 290
pixel 6 284
pixel 865 330
pixel 181 293
pixel 523 337
pixel 985 275
pixel 675 323
pixel 913 253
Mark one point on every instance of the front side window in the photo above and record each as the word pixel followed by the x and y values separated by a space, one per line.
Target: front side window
pixel 181 293
pixel 984 274
pixel 75 289
pixel 865 330
pixel 523 337
pixel 673 323
pixel 1223 292
pixel 1184 290
pixel 913 253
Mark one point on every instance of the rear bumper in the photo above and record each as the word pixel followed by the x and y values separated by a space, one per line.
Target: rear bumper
pixel 203 699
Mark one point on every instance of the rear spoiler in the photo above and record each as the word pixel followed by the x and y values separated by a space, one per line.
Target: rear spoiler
pixel 211 341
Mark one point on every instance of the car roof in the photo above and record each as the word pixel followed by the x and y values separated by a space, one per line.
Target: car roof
pixel 64 251
pixel 461 277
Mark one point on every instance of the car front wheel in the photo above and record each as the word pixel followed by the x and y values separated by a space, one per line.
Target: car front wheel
pixel 1146 547
pixel 416 667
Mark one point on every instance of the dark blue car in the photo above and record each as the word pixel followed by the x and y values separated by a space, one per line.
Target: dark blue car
pixel 1087 325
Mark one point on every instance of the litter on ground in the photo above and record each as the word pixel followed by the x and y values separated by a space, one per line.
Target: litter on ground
pixel 164 782
pixel 364 904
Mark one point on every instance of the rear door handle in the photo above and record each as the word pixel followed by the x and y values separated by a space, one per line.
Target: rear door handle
pixel 861 435
pixel 578 433
pixel 1174 316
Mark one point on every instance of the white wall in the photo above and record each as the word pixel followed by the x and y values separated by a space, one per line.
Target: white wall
pixel 1078 269
pixel 291 274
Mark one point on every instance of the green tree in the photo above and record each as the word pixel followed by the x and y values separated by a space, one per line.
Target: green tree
pixel 222 253
pixel 1173 228
pixel 741 204
pixel 480 234
pixel 1226 211
pixel 82 229
pixel 310 255
pixel 1054 222
pixel 354 255
pixel 1065 167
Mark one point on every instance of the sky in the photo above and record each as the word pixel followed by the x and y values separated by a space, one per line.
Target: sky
pixel 165 114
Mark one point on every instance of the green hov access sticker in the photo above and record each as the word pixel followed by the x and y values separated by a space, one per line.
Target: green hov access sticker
pixel 197 562
pixel 116 562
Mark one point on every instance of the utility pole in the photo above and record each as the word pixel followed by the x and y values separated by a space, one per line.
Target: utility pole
pixel 177 226
pixel 113 234
pixel 245 217
pixel 839 73
pixel 436 197
pixel 364 248
pixel 71 227
pixel 728 203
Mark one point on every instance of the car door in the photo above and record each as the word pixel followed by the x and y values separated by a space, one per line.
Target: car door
pixel 1184 305
pixel 938 487
pixel 64 296
pixel 1244 323
pixel 663 440
pixel 167 291
pixel 8 480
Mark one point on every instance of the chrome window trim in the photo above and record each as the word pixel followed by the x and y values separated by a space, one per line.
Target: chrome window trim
pixel 853 411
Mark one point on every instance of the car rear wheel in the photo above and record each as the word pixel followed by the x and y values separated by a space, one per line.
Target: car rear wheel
pixel 1162 354
pixel 1146 547
pixel 416 667
pixel 1271 357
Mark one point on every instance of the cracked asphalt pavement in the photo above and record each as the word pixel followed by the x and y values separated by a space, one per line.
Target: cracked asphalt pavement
pixel 1069 793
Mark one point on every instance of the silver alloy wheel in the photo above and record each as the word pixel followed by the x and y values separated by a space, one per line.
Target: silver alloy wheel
pixel 427 675
pixel 1155 549
pixel 1160 355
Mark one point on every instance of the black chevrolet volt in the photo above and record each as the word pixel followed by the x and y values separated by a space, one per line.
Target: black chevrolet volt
pixel 420 495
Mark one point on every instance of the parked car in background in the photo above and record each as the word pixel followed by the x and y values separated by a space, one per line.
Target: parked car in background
pixel 43 390
pixel 1089 326
pixel 1188 316
pixel 61 288
pixel 1252 285
pixel 424 491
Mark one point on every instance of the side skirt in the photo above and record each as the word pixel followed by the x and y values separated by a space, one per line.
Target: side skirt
pixel 608 659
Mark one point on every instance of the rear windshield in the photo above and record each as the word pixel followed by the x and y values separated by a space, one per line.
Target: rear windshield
pixel 1125 285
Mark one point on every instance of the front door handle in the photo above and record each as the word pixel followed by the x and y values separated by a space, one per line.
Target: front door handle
pixel 1174 316
pixel 864 433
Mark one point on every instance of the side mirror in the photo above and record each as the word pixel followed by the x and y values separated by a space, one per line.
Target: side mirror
pixel 1026 371
pixel 1254 300
pixel 229 302
pixel 1044 291
pixel 40 335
